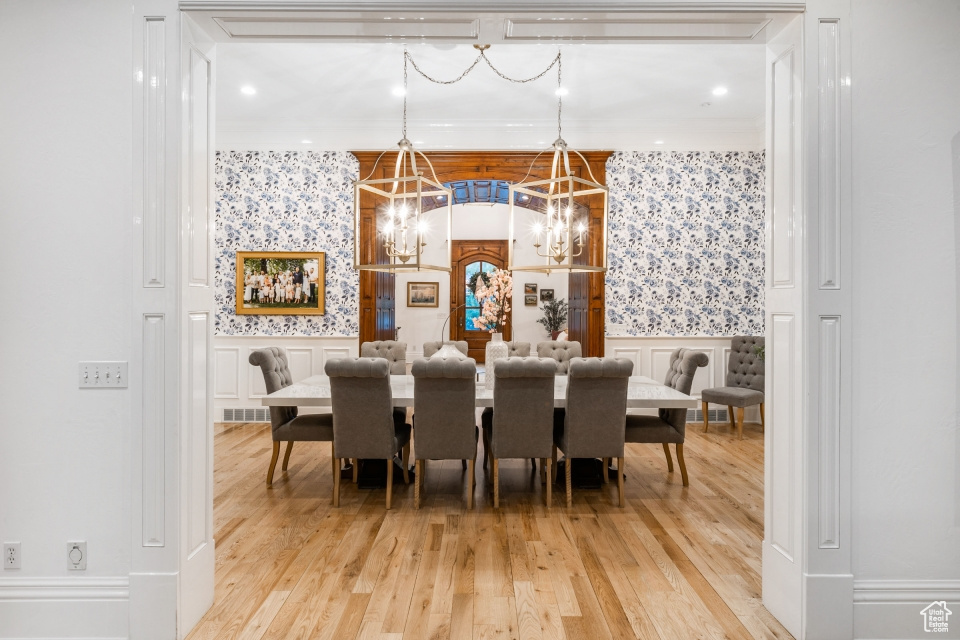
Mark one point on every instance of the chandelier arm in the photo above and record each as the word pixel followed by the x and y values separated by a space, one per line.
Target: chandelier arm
pixel 396 173
pixel 587 165
pixel 553 169
pixel 374 170
pixel 429 164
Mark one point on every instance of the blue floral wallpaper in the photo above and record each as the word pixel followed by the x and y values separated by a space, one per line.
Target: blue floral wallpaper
pixel 686 243
pixel 287 201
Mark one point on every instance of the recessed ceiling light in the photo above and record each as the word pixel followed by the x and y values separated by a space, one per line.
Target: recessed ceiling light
pixel 658 142
pixel 418 142
pixel 306 142
pixel 387 18
pixel 704 104
pixel 720 91
pixel 399 91
pixel 562 91
pixel 247 90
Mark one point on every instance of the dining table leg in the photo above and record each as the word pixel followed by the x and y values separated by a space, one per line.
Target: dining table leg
pixel 548 462
pixel 389 482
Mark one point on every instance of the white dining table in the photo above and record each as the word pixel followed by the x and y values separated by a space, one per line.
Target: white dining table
pixel 642 393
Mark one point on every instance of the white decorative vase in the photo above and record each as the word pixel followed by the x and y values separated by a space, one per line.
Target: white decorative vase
pixel 496 350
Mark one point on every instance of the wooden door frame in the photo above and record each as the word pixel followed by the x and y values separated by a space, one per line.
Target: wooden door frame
pixel 587 310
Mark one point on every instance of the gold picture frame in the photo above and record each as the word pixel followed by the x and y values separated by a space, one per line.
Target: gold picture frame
pixel 423 294
pixel 261 273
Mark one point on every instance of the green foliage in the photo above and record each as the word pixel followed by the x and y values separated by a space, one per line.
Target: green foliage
pixel 760 351
pixel 472 282
pixel 554 315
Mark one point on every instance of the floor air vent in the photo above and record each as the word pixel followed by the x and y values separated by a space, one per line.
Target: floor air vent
pixel 246 415
pixel 715 415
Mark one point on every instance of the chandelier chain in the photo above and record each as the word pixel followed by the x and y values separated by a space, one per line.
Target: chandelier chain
pixel 559 97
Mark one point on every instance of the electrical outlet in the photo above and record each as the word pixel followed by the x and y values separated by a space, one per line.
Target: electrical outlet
pixel 11 555
pixel 77 555
pixel 104 375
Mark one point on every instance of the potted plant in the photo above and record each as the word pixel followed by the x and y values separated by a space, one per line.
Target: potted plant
pixel 554 317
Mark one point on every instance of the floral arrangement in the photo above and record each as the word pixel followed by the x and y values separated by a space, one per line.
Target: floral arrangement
pixel 495 290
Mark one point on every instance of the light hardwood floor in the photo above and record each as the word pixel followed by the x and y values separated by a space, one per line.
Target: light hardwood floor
pixel 674 563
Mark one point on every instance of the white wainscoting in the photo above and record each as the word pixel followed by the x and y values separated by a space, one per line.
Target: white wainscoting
pixel 651 358
pixel 239 384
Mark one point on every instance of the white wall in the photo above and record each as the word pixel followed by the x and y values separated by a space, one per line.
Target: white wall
pixel 424 324
pixel 65 234
pixel 906 61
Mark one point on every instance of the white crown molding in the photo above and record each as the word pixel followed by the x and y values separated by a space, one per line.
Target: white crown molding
pixel 534 6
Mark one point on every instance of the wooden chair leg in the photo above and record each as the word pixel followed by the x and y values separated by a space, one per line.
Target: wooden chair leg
pixel 286 455
pixel 356 469
pixel 666 450
pixel 683 467
pixel 763 424
pixel 706 416
pixel 336 482
pixel 620 479
pixel 740 423
pixel 553 478
pixel 548 462
pixel 417 479
pixel 273 462
pixel 568 467
pixel 389 482
pixel 470 482
pixel 496 483
pixel 333 460
pixel 543 471
pixel 406 463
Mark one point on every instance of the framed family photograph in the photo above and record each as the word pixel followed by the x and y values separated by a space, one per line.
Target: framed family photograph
pixel 546 295
pixel 423 294
pixel 280 282
pixel 530 288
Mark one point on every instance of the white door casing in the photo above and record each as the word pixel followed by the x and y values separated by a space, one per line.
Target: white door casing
pixel 196 575
pixel 784 291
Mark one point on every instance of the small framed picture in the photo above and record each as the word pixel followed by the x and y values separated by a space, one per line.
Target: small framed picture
pixel 423 294
pixel 530 299
pixel 546 295
pixel 530 288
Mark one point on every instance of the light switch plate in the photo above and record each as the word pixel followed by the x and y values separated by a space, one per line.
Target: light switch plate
pixel 103 375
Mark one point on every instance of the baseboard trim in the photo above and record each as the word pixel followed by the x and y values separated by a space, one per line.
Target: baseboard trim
pixel 39 608
pixel 890 609
pixel 40 589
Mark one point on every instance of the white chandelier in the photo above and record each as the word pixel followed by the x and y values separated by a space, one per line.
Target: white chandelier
pixel 400 209
pixel 559 212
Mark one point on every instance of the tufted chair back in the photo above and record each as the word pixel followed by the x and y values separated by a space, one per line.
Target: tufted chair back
pixel 394 352
pixel 274 365
pixel 745 368
pixel 444 397
pixel 561 351
pixel 362 402
pixel 523 408
pixel 683 366
pixel 518 349
pixel 596 410
pixel 430 348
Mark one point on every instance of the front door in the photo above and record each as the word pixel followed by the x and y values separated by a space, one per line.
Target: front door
pixel 470 257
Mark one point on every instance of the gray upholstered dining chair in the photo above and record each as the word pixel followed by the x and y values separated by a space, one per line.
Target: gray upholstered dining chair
pixel 520 424
pixel 670 424
pixel 285 423
pixel 518 349
pixel 561 351
pixel 364 422
pixel 745 376
pixel 444 421
pixel 430 348
pixel 595 414
pixel 394 352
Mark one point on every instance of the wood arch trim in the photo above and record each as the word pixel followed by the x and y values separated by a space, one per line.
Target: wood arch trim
pixel 586 290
